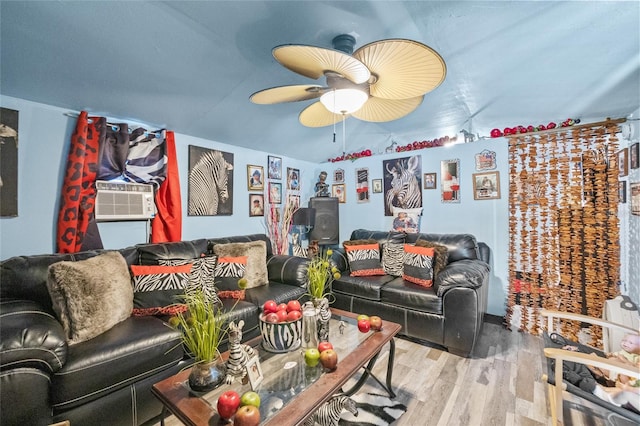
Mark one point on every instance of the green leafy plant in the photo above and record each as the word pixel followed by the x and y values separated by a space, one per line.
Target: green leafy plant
pixel 321 274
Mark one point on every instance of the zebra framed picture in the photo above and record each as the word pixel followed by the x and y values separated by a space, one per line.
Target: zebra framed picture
pixel 274 167
pixel 256 205
pixel 450 181
pixel 402 183
pixel 255 181
pixel 210 182
pixel 275 193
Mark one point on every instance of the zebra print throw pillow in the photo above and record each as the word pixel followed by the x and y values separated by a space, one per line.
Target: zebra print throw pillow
pixel 363 257
pixel 418 265
pixel 441 255
pixel 393 258
pixel 157 289
pixel 227 273
pixel 201 277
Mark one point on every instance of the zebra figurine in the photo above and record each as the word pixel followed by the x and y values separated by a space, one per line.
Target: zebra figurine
pixel 239 354
pixel 208 184
pixel 298 250
pixel 323 315
pixel 329 413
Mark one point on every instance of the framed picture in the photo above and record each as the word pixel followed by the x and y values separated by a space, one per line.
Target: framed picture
pixel 274 167
pixel 635 198
pixel 9 163
pixel 275 193
pixel 256 205
pixel 430 181
pixel 622 191
pixel 450 181
pixel 634 156
pixel 486 160
pixel 293 200
pixel 402 181
pixel 623 164
pixel 338 176
pixel 293 179
pixel 362 185
pixel 206 168
pixel 376 186
pixel 254 372
pixel 486 186
pixel 255 181
pixel 338 191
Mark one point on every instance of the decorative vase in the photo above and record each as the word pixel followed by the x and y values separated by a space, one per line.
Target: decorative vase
pixel 206 376
pixel 309 326
pixel 323 315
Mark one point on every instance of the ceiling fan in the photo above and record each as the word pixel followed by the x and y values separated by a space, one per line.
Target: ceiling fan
pixel 381 81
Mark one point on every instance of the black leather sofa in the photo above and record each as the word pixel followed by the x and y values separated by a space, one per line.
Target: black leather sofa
pixel 105 380
pixel 450 313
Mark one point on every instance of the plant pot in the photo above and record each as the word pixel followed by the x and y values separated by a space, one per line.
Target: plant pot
pixel 206 376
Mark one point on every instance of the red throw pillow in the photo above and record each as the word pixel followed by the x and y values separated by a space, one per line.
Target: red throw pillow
pixel 418 265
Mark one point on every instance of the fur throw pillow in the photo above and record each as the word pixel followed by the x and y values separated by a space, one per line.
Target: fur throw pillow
pixel 256 273
pixel 90 296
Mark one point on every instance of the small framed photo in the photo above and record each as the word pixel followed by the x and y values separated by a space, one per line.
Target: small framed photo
pixel 255 178
pixel 338 191
pixel 274 167
pixel 486 186
pixel 275 193
pixel 256 205
pixel 622 191
pixel 254 372
pixel 623 164
pixel 338 176
pixel 430 181
pixel 376 185
pixel 634 156
pixel 634 188
pixel 293 200
pixel 293 179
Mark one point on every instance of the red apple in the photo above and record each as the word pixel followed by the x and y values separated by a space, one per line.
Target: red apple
pixel 282 307
pixel 282 316
pixel 228 403
pixel 269 306
pixel 293 305
pixel 375 322
pixel 329 359
pixel 323 346
pixel 294 315
pixel 271 317
pixel 364 325
pixel 247 415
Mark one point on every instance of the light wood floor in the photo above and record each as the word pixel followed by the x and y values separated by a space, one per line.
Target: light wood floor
pixel 500 385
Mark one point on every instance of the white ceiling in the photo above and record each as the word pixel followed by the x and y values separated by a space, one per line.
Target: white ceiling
pixel 191 66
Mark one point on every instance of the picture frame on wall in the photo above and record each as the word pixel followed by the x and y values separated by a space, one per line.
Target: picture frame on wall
pixel 293 179
pixel 634 156
pixel 634 188
pixel 9 163
pixel 338 176
pixel 293 200
pixel 486 186
pixel 274 167
pixel 338 191
pixel 203 192
pixel 376 186
pixel 430 180
pixel 622 191
pixel 256 205
pixel 623 163
pixel 362 185
pixel 275 193
pixel 450 181
pixel 255 178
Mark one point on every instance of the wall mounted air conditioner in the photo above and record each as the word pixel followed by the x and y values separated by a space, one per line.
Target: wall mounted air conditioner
pixel 124 201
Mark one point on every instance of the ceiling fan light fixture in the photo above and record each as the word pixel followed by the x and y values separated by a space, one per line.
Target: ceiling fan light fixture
pixel 344 101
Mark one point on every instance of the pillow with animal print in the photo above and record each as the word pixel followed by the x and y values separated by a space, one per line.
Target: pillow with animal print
pixel 441 255
pixel 418 265
pixel 201 277
pixel 406 220
pixel 228 271
pixel 363 257
pixel 158 289
pixel 256 253
pixel 393 258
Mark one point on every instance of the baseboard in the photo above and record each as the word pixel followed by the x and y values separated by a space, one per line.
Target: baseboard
pixel 493 319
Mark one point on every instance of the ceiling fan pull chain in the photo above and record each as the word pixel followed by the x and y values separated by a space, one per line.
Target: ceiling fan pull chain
pixel 344 134
pixel 334 119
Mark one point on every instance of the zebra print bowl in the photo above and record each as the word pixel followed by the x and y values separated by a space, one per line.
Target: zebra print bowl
pixel 282 336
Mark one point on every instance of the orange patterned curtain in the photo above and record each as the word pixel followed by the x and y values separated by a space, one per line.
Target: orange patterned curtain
pixel 563 224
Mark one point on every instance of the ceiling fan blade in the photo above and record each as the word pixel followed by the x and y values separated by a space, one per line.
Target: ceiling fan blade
pixel 404 68
pixel 312 62
pixel 316 115
pixel 276 95
pixel 379 109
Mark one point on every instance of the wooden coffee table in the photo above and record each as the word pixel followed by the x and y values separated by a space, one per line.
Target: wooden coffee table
pixel 291 391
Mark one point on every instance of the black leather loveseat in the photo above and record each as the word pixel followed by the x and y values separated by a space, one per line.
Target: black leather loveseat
pixel 105 380
pixel 450 313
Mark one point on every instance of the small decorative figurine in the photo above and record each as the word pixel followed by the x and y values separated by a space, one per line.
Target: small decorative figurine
pixel 341 327
pixel 323 315
pixel 322 188
pixel 239 353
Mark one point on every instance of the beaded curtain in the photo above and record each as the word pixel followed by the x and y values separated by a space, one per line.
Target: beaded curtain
pixel 563 225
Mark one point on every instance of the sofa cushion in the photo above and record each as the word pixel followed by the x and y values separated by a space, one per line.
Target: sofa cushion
pixel 363 257
pixel 459 246
pixel 256 253
pixel 90 296
pixel 150 253
pixel 278 292
pixel 158 289
pixel 411 296
pixel 418 265
pixel 133 349
pixel 364 287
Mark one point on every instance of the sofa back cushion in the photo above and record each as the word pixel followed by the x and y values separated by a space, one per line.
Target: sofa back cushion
pixel 242 239
pixel 149 254
pixel 459 246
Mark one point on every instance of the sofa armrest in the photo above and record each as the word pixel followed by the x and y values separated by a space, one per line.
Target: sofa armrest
pixel 30 337
pixel 339 259
pixel 291 270
pixel 463 273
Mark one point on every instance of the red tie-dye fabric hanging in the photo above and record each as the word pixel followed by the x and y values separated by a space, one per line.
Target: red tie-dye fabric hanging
pixel 77 228
pixel 167 225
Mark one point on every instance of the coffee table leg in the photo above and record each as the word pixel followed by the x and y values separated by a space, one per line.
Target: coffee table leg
pixel 369 373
